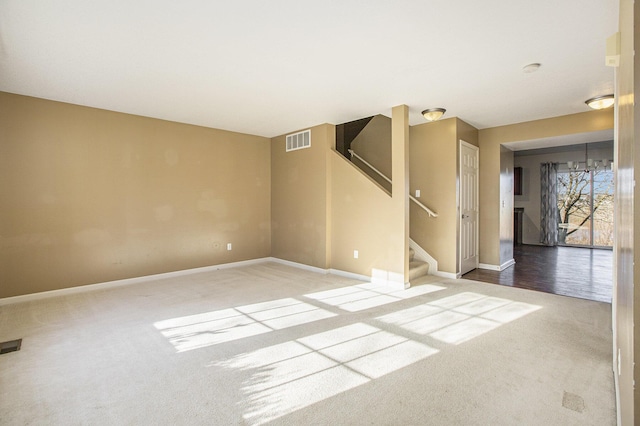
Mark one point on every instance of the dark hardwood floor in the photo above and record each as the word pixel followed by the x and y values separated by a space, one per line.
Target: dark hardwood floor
pixel 569 271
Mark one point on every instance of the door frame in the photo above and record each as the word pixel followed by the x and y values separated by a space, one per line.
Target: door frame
pixel 462 143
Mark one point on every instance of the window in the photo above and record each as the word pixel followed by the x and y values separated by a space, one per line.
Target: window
pixel 585 208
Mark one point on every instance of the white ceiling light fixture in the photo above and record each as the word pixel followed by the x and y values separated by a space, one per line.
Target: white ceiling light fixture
pixel 528 69
pixel 433 114
pixel 600 102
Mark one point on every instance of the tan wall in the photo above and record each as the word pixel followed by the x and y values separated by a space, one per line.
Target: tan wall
pixel 374 145
pixel 467 132
pixel 506 205
pixel 399 227
pixel 366 218
pixel 493 218
pixel 90 196
pixel 361 210
pixel 433 170
pixel 626 301
pixel 300 201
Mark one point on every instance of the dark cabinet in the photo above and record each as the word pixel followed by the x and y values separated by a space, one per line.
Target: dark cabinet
pixel 517 181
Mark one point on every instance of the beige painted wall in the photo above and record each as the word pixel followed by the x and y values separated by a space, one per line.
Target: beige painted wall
pixel 361 210
pixel 493 217
pixel 90 196
pixel 434 170
pixel 366 218
pixel 466 132
pixel 374 145
pixel 300 202
pixel 506 206
pixel 433 163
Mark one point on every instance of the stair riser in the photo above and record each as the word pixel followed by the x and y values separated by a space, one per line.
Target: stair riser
pixel 418 271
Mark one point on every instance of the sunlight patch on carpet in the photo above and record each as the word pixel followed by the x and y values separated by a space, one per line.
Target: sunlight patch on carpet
pixel 212 328
pixel 295 374
pixel 458 318
pixel 365 296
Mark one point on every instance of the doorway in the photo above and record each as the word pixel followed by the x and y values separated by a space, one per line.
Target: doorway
pixel 469 207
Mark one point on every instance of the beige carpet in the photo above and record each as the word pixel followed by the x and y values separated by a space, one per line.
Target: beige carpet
pixel 271 343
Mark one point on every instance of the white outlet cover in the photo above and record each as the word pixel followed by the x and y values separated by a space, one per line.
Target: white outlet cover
pixel 417 193
pixel 228 246
pixel 355 254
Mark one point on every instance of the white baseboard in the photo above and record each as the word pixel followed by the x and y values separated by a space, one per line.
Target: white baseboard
pixel 126 281
pixel 507 264
pixel 379 277
pixel 350 275
pixel 498 268
pixel 389 278
pixel 297 265
pixel 489 266
pixel 450 275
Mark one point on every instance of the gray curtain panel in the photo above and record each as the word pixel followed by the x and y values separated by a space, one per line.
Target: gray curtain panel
pixel 548 204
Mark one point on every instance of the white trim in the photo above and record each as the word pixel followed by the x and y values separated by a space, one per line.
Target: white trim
pixel 443 274
pixel 498 268
pixel 350 275
pixel 383 277
pixel 421 254
pixel 489 267
pixel 507 264
pixel 378 276
pixel 459 202
pixel 298 265
pixel 126 281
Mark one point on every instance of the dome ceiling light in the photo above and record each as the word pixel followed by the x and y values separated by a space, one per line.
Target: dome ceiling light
pixel 600 102
pixel 433 114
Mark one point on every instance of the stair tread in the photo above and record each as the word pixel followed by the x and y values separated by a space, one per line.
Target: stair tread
pixel 417 268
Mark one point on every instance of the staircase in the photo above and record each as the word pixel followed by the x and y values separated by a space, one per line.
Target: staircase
pixel 417 268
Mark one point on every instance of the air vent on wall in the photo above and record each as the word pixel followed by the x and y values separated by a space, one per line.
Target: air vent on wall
pixel 10 346
pixel 299 140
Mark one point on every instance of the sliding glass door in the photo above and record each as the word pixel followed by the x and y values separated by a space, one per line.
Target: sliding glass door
pixel 585 208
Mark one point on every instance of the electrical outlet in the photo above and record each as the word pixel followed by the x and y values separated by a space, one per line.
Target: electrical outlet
pixel 355 254
pixel 228 246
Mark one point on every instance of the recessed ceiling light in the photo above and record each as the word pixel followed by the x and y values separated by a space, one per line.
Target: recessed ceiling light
pixel 531 68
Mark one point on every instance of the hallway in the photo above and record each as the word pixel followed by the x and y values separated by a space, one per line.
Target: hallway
pixel 569 271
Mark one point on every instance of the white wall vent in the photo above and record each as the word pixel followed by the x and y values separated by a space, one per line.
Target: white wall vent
pixel 299 140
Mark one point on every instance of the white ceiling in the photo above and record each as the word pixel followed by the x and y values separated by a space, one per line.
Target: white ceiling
pixel 272 67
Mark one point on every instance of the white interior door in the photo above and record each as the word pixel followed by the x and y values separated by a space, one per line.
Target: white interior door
pixel 468 207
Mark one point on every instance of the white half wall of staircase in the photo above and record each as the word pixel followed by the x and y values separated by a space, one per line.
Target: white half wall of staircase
pixel 421 254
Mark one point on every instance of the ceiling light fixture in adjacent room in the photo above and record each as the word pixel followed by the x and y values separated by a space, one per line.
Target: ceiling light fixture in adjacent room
pixel 600 102
pixel 433 114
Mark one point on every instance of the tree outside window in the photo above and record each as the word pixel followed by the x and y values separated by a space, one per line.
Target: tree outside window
pixel 585 208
